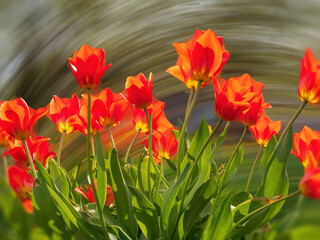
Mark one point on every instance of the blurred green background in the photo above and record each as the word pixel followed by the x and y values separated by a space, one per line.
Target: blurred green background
pixel 266 39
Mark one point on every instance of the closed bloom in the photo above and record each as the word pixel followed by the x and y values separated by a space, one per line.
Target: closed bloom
pixel 22 184
pixel 138 91
pixel 60 110
pixel 39 149
pixel 233 97
pixel 108 108
pixel 89 195
pixel 309 84
pixel 88 66
pixel 201 58
pixel 17 118
pixel 264 129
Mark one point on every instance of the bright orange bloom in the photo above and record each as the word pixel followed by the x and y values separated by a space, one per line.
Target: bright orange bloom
pixel 60 110
pixel 38 147
pixel 201 58
pixel 17 119
pixel 309 84
pixel 264 129
pixel 108 108
pixel 138 91
pixel 160 122
pixel 89 195
pixel 80 121
pixel 233 97
pixel 5 138
pixel 22 183
pixel 88 66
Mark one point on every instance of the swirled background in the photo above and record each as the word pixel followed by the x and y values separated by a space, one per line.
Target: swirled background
pixel 265 38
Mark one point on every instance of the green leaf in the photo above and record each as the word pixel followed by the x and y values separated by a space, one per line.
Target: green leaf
pixel 219 140
pixel 122 196
pixel 170 199
pixel 267 154
pixel 240 198
pixel 59 178
pixel 146 214
pixel 236 162
pixel 101 173
pixel 219 222
pixel 172 165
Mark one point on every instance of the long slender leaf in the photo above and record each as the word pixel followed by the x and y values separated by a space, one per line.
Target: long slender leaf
pixel 101 173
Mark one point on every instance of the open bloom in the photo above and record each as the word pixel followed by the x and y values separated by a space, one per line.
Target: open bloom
pixel 138 90
pixel 22 183
pixel 306 148
pixel 264 129
pixel 17 118
pixel 39 149
pixel 233 98
pixel 108 108
pixel 88 66
pixel 60 110
pixel 201 58
pixel 5 138
pixel 309 84
pixel 89 195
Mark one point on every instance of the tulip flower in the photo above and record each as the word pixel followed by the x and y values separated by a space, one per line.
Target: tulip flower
pixel 138 91
pixel 18 119
pixel 201 58
pixel 90 197
pixel 5 138
pixel 233 97
pixel 39 149
pixel 309 84
pixel 60 110
pixel 22 184
pixel 264 129
pixel 88 66
pixel 108 108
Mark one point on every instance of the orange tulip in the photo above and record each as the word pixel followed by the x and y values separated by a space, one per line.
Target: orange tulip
pixel 233 97
pixel 88 66
pixel 5 138
pixel 309 84
pixel 108 108
pixel 264 129
pixel 61 110
pixel 201 58
pixel 90 197
pixel 22 183
pixel 17 119
pixel 138 91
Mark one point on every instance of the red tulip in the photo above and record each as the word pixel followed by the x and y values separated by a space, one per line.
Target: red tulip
pixel 17 119
pixel 61 110
pixel 201 58
pixel 89 195
pixel 264 129
pixel 88 66
pixel 22 183
pixel 138 91
pixel 309 84
pixel 5 138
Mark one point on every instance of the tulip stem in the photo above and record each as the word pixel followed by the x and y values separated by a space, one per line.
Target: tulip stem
pixel 130 146
pixel 94 190
pixel 150 152
pixel 5 167
pixel 189 102
pixel 184 127
pixel 60 147
pixel 303 104
pixel 111 137
pixel 34 173
pixel 253 166
pixel 247 217
pixel 224 176
pixel 93 150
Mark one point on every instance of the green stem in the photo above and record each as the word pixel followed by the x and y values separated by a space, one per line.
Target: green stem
pixel 5 167
pixel 159 179
pixel 94 190
pixel 34 173
pixel 130 146
pixel 93 150
pixel 253 166
pixel 60 147
pixel 111 137
pixel 194 164
pixel 184 127
pixel 150 152
pixel 189 102
pixel 223 178
pixel 262 208
pixel 303 104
